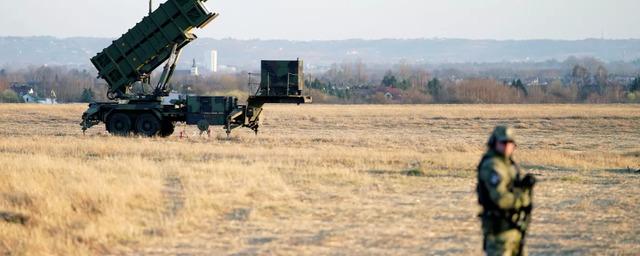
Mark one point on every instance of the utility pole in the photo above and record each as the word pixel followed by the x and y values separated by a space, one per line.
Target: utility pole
pixel 150 6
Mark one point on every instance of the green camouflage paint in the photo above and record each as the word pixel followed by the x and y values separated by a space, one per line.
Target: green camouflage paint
pixel 281 78
pixel 149 43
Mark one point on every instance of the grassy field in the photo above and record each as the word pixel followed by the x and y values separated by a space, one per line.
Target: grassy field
pixel 318 180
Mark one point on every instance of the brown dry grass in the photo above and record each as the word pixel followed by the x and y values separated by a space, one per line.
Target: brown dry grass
pixel 320 179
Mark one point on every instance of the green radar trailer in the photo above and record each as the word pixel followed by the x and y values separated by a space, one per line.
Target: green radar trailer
pixel 158 39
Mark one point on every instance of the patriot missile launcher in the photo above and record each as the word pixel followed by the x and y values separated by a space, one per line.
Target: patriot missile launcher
pixel 159 38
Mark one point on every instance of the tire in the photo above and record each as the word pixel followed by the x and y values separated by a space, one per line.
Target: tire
pixel 119 124
pixel 167 128
pixel 147 125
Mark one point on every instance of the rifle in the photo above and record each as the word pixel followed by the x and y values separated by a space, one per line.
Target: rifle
pixel 527 183
pixel 523 225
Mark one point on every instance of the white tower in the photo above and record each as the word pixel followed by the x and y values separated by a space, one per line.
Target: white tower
pixel 194 69
pixel 213 64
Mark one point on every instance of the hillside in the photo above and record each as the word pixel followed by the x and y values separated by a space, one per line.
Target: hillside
pixel 23 51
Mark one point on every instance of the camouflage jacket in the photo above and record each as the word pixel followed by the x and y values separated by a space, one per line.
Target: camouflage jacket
pixel 498 177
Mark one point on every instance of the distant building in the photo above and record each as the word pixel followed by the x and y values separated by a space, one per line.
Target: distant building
pixel 213 61
pixel 390 93
pixel 33 99
pixel 29 93
pixel 194 69
pixel 29 98
pixel 26 91
pixel 189 72
pixel 25 88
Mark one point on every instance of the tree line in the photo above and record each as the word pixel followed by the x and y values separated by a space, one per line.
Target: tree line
pixel 586 81
pixel 68 85
pixel 75 85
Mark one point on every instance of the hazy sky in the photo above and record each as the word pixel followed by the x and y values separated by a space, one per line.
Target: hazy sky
pixel 341 19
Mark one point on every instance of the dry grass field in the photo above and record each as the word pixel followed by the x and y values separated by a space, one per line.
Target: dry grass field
pixel 318 180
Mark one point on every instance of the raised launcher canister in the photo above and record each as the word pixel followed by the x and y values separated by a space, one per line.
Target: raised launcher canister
pixel 150 43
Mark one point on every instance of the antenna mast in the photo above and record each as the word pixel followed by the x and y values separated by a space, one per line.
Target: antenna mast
pixel 150 6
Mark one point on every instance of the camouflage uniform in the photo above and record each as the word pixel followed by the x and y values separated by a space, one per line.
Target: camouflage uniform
pixel 505 196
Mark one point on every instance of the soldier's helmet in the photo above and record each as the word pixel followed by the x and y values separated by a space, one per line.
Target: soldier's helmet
pixel 501 134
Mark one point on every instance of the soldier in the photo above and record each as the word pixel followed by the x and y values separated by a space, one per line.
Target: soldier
pixel 505 196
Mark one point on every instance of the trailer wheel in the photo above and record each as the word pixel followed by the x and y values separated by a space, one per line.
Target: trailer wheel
pixel 119 124
pixel 147 125
pixel 167 128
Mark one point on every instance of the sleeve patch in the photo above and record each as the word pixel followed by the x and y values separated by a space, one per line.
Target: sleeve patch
pixel 495 179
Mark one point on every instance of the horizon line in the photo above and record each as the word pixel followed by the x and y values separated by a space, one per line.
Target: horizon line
pixel 347 39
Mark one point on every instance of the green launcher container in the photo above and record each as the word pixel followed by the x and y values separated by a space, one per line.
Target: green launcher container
pixel 213 109
pixel 150 42
pixel 281 78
